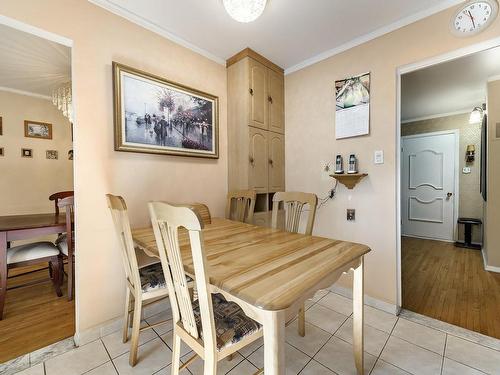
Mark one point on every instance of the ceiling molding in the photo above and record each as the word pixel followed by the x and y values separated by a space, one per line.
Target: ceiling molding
pixel 27 93
pixel 373 35
pixel 151 26
pixel 439 115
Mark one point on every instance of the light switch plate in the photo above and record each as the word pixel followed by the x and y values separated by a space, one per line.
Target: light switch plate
pixel 378 157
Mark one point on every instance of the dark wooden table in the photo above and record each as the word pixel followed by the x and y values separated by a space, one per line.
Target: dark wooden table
pixel 21 227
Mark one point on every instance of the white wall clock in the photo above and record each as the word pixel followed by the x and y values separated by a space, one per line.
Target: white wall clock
pixel 474 17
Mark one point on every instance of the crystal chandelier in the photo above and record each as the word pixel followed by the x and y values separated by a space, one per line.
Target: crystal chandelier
pixel 245 10
pixel 62 99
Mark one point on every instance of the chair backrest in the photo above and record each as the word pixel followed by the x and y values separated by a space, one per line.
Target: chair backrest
pixel 243 207
pixel 56 197
pixel 119 213
pixel 294 203
pixel 167 220
pixel 68 205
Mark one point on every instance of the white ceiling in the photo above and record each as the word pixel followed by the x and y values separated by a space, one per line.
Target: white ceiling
pixel 31 64
pixel 454 86
pixel 291 33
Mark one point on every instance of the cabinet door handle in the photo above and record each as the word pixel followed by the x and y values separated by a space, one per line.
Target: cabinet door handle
pixel 251 160
pixel 251 91
pixel 270 99
pixel 271 162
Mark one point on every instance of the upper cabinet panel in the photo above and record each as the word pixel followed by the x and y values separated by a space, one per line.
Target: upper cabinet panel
pixel 276 99
pixel 258 95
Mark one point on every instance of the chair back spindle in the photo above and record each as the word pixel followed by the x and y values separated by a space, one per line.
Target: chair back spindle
pixel 241 205
pixel 170 221
pixel 294 203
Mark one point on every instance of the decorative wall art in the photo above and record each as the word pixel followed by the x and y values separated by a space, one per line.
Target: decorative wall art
pixel 1 126
pixel 352 113
pixel 153 115
pixel 52 154
pixel 2 151
pixel 35 129
pixel 27 152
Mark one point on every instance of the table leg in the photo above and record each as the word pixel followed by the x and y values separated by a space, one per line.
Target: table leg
pixel 358 312
pixel 274 342
pixel 3 271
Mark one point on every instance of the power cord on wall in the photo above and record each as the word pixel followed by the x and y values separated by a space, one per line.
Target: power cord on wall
pixel 330 195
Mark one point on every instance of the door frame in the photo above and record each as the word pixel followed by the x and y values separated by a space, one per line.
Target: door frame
pixel 456 168
pixel 404 69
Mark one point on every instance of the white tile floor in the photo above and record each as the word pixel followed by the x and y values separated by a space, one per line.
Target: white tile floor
pixel 393 346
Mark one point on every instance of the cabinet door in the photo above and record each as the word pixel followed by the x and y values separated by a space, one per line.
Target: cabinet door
pixel 276 99
pixel 258 95
pixel 276 162
pixel 261 219
pixel 258 160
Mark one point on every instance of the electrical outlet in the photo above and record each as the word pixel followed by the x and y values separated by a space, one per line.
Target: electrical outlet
pixel 351 214
pixel 326 170
pixel 466 170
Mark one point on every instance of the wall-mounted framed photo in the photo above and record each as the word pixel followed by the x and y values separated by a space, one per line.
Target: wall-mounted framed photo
pixel 154 115
pixel 36 129
pixel 52 154
pixel 27 152
pixel 1 126
pixel 2 153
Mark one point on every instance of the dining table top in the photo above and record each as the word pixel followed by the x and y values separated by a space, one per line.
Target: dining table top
pixel 31 221
pixel 266 267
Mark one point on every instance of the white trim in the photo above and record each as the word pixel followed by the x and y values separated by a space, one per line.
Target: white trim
pixel 427 238
pixel 485 262
pixel 493 79
pixel 373 35
pixel 438 115
pixel 478 47
pixel 27 93
pixel 369 301
pixel 151 26
pixel 35 31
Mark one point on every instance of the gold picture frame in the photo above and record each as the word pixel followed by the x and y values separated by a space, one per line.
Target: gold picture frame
pixel 156 116
pixel 37 129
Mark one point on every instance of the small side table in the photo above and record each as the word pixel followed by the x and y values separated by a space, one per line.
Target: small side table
pixel 468 223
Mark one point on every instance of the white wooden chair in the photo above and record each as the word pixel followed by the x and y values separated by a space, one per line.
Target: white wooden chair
pixel 145 280
pixel 213 327
pixel 241 205
pixel 294 203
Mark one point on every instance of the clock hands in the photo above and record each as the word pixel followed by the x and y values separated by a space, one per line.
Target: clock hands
pixel 472 19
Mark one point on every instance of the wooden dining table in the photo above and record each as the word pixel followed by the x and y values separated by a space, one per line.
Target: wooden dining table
pixel 22 227
pixel 271 273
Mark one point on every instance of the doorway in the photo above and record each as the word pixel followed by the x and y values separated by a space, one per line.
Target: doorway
pixel 36 158
pixel 441 203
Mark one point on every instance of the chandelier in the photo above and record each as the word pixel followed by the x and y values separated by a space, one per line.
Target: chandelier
pixel 245 10
pixel 62 99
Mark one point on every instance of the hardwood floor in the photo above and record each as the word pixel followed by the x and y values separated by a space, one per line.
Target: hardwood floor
pixel 34 316
pixel 450 284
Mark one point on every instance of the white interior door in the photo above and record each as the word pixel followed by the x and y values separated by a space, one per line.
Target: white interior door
pixel 428 189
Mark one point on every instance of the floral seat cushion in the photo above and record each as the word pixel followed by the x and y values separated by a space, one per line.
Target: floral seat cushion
pixel 152 277
pixel 231 323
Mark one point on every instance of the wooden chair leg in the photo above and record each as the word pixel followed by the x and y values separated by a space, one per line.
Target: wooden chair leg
pixel 302 321
pixel 70 277
pixel 176 354
pixel 60 262
pixel 210 365
pixel 136 326
pixel 54 266
pixel 126 318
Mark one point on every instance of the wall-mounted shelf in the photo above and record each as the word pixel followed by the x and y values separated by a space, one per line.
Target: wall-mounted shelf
pixel 349 180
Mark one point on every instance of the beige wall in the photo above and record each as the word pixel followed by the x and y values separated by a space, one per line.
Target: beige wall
pixel 310 106
pixel 470 200
pixel 99 38
pixel 492 212
pixel 26 183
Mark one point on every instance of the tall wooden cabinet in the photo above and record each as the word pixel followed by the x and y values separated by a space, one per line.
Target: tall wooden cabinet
pixel 256 129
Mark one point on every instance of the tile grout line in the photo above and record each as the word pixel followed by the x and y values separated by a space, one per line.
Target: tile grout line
pixel 385 344
pixel 109 355
pixel 444 352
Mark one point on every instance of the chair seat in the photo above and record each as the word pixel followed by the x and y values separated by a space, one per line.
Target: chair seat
pixel 231 323
pixel 62 243
pixel 31 251
pixel 152 277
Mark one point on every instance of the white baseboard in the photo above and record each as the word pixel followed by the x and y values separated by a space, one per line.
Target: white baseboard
pixel 369 301
pixel 486 266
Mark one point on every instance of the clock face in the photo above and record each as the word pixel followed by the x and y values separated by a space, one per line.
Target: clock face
pixel 474 17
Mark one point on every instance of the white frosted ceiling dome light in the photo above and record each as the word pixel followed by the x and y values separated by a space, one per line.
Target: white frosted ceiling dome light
pixel 245 10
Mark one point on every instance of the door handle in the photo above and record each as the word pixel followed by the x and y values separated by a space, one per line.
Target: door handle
pixel 449 195
pixel 251 159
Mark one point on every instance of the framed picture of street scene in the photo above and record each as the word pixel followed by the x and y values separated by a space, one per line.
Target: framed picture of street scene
pixel 154 115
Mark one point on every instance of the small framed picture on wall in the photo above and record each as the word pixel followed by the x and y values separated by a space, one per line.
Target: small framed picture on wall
pixel 1 151
pixel 27 152
pixel 35 129
pixel 52 154
pixel 1 127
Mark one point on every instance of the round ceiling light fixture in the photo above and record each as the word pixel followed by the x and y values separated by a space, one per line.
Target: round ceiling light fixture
pixel 245 10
